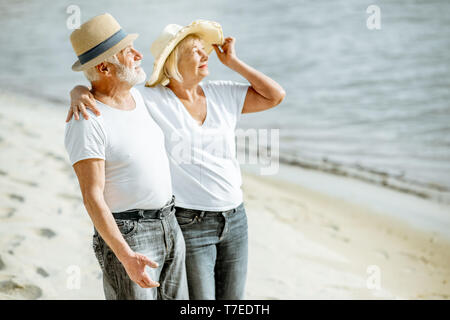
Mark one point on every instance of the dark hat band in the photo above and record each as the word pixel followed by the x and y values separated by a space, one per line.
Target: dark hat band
pixel 102 47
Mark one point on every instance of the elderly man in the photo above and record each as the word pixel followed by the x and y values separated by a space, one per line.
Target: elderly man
pixel 123 171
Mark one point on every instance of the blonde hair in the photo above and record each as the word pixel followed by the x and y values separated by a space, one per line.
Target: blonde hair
pixel 170 68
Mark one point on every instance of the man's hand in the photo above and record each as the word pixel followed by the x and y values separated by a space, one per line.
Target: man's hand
pixel 226 52
pixel 80 99
pixel 91 176
pixel 135 268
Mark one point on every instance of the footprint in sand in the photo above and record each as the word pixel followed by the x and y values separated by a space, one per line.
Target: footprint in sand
pixel 382 254
pixel 9 212
pixel 15 290
pixel 331 226
pixel 55 156
pixel 16 197
pixel 270 209
pixel 16 240
pixel 18 124
pixel 339 237
pixel 415 257
pixel 42 272
pixel 24 130
pixel 250 196
pixel 46 232
pixel 30 134
pixel 25 182
pixel 69 197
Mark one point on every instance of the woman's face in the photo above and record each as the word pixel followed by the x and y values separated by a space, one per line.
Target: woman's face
pixel 193 62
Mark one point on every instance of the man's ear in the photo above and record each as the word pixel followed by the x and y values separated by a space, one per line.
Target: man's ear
pixel 103 68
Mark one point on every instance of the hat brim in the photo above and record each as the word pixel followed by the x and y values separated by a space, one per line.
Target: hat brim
pixel 210 32
pixel 77 66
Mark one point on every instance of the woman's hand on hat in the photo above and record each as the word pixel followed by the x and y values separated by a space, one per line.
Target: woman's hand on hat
pixel 80 99
pixel 226 52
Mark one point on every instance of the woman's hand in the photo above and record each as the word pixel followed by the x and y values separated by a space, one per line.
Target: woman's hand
pixel 80 99
pixel 264 93
pixel 226 52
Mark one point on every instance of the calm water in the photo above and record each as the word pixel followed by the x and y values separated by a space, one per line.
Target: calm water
pixel 373 104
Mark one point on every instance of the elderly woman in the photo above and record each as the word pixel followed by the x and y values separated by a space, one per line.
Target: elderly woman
pixel 198 120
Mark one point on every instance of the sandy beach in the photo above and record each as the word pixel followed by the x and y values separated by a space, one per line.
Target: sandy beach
pixel 312 235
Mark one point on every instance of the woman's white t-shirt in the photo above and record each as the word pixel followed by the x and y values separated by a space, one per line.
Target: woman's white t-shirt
pixel 203 164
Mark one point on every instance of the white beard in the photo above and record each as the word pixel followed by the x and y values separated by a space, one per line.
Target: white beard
pixel 131 75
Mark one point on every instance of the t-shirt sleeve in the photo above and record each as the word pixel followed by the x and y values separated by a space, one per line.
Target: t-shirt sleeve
pixel 85 139
pixel 233 94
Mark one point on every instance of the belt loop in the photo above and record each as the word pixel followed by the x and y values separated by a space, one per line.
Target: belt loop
pixel 141 214
pixel 172 209
pixel 202 214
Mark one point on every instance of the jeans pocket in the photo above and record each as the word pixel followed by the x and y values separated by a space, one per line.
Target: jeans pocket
pixel 127 227
pixel 185 218
pixel 98 250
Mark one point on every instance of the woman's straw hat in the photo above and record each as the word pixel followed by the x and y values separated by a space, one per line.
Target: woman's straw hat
pixel 97 40
pixel 209 31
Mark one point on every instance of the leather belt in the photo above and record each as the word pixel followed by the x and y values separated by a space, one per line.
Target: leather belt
pixel 136 214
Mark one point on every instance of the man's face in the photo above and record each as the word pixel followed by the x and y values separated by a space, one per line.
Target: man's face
pixel 129 57
pixel 128 69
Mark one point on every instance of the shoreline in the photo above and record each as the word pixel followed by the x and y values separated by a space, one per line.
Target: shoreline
pixel 312 235
pixel 397 182
pixel 425 190
pixel 425 215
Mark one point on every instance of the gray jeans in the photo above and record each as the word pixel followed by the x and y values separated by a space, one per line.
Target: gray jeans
pixel 161 241
pixel 216 252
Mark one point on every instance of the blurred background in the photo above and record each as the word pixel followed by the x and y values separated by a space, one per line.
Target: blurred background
pixel 371 107
pixel 368 103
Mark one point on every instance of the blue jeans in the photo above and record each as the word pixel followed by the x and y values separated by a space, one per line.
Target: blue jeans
pixel 216 252
pixel 161 241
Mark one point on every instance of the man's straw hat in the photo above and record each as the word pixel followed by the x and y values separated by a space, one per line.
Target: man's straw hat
pixel 209 31
pixel 97 40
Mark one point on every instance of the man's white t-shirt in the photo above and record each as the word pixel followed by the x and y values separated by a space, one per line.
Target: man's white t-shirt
pixel 137 173
pixel 204 169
